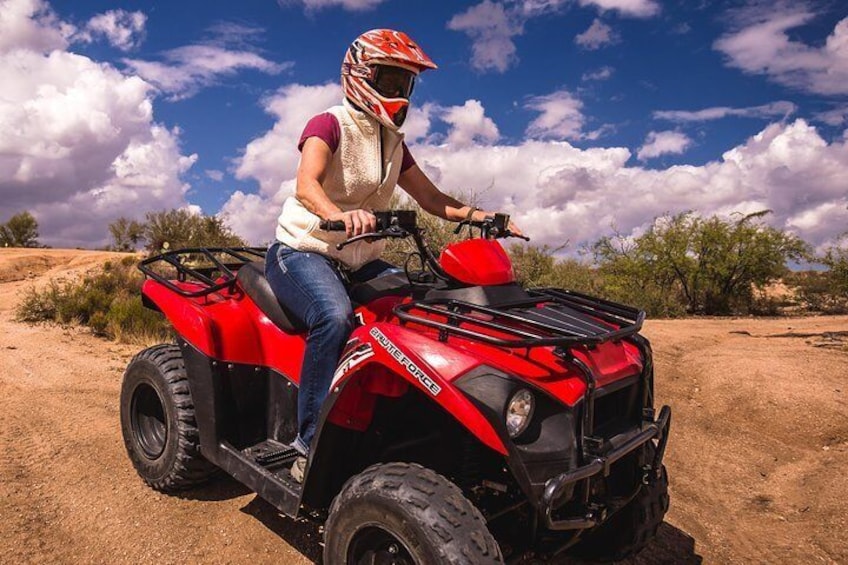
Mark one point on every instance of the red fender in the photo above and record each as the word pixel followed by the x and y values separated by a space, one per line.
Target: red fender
pixel 392 358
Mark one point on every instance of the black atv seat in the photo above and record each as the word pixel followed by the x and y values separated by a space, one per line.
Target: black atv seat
pixel 392 284
pixel 251 278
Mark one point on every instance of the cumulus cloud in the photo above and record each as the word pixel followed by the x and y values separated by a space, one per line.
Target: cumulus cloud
pixel 782 109
pixel 560 116
pixel 122 29
pixel 469 123
pixel 562 193
pixel 32 25
pixel 184 71
pixel 759 43
pixel 663 143
pixel 353 5
pixel 80 146
pixel 214 174
pixel 273 157
pixel 492 29
pixel 598 35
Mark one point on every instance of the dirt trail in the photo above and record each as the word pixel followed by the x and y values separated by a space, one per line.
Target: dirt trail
pixel 757 457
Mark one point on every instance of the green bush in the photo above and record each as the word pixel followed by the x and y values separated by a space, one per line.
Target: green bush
pixel 689 264
pixel 107 300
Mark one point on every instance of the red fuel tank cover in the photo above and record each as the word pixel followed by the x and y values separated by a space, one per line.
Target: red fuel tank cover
pixel 478 262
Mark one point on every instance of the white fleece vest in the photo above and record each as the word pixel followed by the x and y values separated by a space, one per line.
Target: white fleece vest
pixel 360 175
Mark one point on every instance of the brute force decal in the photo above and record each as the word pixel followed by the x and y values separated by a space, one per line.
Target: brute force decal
pixel 407 363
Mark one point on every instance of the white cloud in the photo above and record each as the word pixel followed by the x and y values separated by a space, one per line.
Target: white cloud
pixel 418 122
pixel 598 35
pixel 602 73
pixel 353 5
pixel 560 193
pixel 32 25
pixel 492 30
pixel 632 8
pixel 774 109
pixel 492 25
pixel 273 157
pixel 560 116
pixel 835 116
pixel 184 71
pixel 122 29
pixel 760 44
pixel 188 69
pixel 214 174
pixel 80 146
pixel 663 143
pixel 469 123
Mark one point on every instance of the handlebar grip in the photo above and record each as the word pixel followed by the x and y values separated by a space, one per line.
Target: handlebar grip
pixel 332 225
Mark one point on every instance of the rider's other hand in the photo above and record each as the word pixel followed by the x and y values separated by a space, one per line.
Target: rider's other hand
pixel 480 215
pixel 514 229
pixel 357 222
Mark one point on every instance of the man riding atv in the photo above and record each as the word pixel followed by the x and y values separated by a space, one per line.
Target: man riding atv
pixel 352 157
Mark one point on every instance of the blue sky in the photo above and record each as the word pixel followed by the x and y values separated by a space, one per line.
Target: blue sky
pixel 576 116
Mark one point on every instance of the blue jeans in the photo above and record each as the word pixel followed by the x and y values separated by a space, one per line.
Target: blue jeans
pixel 314 290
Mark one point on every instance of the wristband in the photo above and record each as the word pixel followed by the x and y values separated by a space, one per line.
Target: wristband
pixel 471 211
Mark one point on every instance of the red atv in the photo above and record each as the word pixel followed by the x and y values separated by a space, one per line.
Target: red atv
pixel 470 420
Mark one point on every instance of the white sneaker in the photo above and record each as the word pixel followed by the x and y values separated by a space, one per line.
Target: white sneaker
pixel 298 469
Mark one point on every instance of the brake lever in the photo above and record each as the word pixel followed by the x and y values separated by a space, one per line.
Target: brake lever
pixel 510 234
pixel 392 232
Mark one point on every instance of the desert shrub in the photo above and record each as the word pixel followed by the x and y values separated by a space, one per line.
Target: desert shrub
pixel 107 300
pixel 183 228
pixel 539 267
pixel 688 264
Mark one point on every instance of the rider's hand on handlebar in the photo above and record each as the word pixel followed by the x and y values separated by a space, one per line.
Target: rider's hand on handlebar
pixel 357 222
pixel 480 215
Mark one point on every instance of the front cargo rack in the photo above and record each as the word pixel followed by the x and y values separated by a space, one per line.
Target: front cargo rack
pixel 549 317
pixel 209 269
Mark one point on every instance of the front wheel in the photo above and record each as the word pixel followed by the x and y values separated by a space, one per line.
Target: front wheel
pixel 631 528
pixel 158 422
pixel 405 514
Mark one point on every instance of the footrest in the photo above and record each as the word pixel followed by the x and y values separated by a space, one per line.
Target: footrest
pixel 271 452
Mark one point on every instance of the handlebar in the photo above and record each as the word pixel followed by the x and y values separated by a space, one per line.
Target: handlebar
pixel 493 227
pixel 398 224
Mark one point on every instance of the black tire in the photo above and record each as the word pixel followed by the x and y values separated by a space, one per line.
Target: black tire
pixel 404 514
pixel 158 423
pixel 630 529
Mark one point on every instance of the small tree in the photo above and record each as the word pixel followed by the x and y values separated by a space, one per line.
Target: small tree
pixel 711 265
pixel 20 231
pixel 182 228
pixel 126 234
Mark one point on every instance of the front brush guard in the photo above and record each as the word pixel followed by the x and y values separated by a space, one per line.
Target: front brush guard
pixel 596 515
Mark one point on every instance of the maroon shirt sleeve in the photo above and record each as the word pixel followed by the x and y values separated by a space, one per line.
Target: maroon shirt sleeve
pixel 323 126
pixel 408 159
pixel 326 127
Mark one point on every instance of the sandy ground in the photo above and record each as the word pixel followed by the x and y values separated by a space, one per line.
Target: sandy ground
pixel 757 459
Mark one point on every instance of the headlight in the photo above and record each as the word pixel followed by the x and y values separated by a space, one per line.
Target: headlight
pixel 519 412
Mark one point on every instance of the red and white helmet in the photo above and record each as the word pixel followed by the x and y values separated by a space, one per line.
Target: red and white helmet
pixel 378 74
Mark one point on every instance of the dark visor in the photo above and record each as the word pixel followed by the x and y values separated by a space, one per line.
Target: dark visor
pixel 393 82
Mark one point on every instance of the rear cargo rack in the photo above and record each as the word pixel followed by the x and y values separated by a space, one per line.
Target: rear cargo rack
pixel 550 317
pixel 210 269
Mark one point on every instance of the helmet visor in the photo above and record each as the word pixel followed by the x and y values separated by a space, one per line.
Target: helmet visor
pixel 393 82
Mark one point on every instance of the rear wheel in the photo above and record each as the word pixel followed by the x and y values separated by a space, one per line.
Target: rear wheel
pixel 158 422
pixel 405 514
